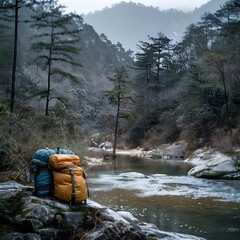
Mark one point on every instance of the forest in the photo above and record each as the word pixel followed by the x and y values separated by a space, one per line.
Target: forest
pixel 63 85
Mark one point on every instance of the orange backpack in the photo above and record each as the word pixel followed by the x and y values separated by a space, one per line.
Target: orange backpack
pixel 68 178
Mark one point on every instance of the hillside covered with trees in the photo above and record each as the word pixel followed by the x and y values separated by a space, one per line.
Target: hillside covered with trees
pixel 61 83
pixel 191 90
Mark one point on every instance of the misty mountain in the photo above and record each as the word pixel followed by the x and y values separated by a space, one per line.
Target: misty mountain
pixel 129 23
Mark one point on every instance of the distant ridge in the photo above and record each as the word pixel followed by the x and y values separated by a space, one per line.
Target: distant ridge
pixel 129 23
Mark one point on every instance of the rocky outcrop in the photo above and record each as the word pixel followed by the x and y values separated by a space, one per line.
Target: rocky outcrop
pixel 165 151
pixel 168 151
pixel 213 164
pixel 24 216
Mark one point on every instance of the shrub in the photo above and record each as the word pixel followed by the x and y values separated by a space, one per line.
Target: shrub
pixel 222 140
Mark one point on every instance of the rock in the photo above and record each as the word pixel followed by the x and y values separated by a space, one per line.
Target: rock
pixel 106 145
pixel 168 151
pixel 20 236
pixel 24 216
pixel 213 164
pixel 93 161
pixel 132 175
pixel 128 215
pixel 48 218
pixel 153 233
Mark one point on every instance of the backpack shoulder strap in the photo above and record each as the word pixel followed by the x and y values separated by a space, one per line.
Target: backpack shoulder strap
pixel 71 167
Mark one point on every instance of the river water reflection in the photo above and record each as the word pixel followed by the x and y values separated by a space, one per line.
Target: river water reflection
pixel 160 192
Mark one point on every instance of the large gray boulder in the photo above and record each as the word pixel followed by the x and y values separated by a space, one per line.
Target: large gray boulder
pixel 168 151
pixel 106 145
pixel 213 164
pixel 24 216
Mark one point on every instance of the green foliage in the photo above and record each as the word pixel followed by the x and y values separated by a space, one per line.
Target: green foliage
pixel 7 147
pixel 118 96
pixel 65 74
pixel 154 63
pixel 56 41
pixel 200 73
pixel 125 113
pixel 187 91
pixel 5 57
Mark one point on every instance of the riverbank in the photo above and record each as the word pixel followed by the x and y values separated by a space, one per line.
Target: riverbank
pixel 161 192
pixel 207 163
pixel 164 151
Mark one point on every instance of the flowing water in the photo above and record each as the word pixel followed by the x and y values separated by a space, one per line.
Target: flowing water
pixel 160 192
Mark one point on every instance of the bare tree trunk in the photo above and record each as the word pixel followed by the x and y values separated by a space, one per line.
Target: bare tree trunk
pixel 116 129
pixel 14 58
pixel 49 72
pixel 48 83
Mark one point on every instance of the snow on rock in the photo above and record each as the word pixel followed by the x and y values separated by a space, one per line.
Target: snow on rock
pixel 213 164
pixel 132 175
pixel 24 216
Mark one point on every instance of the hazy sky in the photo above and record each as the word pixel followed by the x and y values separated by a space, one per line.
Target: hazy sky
pixel 86 6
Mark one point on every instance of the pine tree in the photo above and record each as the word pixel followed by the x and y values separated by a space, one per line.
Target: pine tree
pixel 118 96
pixel 56 42
pixel 9 10
pixel 6 49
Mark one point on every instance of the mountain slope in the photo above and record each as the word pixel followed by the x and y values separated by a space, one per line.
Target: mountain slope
pixel 130 23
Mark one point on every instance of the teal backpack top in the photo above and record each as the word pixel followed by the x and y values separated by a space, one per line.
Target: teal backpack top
pixel 40 172
pixel 42 155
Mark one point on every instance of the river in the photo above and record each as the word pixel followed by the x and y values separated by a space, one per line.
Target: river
pixel 160 192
